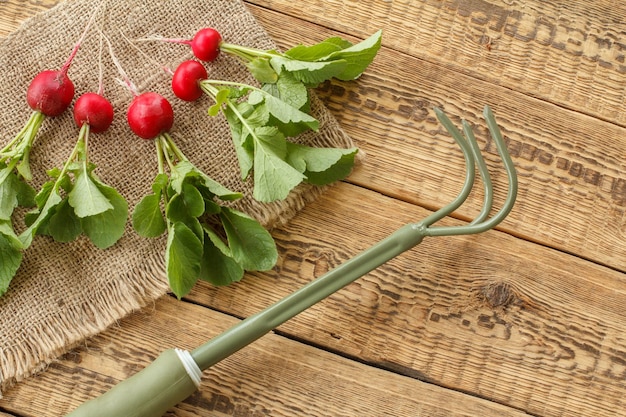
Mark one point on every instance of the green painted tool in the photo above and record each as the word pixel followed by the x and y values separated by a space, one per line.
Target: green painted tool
pixel 176 374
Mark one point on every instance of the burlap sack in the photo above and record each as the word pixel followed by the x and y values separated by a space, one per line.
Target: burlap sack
pixel 64 293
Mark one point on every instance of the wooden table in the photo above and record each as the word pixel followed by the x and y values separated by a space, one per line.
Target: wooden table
pixel 526 320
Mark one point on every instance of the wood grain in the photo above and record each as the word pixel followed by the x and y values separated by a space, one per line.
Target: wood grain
pixel 479 315
pixel 529 318
pixel 566 52
pixel 572 168
pixel 273 377
pixel 14 12
pixel 476 314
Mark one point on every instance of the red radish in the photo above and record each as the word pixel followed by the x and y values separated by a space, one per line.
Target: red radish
pixel 95 110
pixel 149 115
pixel 185 82
pixel 50 92
pixel 206 44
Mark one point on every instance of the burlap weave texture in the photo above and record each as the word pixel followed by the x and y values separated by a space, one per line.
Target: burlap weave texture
pixel 64 293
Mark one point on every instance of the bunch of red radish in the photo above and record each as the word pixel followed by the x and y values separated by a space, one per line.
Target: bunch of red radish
pixel 150 116
pixel 150 113
pixel 49 95
pixel 51 92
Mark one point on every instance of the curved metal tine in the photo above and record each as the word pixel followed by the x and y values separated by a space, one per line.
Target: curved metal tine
pixel 496 134
pixel 484 174
pixel 470 168
pixel 511 194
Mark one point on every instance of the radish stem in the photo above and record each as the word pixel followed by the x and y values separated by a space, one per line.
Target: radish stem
pixel 245 52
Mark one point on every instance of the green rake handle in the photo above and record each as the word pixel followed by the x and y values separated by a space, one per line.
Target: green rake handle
pixel 176 374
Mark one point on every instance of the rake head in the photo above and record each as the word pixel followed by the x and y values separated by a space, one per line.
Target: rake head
pixel 473 159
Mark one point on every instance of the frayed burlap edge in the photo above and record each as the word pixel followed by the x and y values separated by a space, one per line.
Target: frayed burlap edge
pixel 49 343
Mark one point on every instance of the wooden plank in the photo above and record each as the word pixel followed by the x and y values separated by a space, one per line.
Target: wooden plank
pixel 274 376
pixel 570 53
pixel 572 168
pixel 489 314
pixel 14 12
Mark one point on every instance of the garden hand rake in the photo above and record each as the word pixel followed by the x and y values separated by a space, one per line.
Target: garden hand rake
pixel 176 373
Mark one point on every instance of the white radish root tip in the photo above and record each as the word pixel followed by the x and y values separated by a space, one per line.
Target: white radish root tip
pixel 125 81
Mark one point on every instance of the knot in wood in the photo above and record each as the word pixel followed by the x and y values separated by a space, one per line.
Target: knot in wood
pixel 499 294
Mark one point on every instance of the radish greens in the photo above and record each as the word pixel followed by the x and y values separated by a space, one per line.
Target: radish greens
pixel 206 239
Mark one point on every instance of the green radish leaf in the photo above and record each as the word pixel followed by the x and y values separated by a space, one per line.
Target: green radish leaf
pixel 14 192
pixel 218 189
pixel 251 244
pixel 8 196
pixel 6 229
pixel 358 57
pixel 273 177
pixel 321 165
pixel 261 69
pixel 289 90
pixel 147 218
pixel 42 196
pixel 40 200
pixel 241 130
pixel 48 206
pixel 106 228
pixel 63 224
pixel 338 171
pixel 174 216
pixel 24 169
pixel 42 228
pixel 181 172
pixel 25 194
pixel 310 73
pixel 195 226
pixel 211 207
pixel 183 257
pixel 160 183
pixel 5 171
pixel 10 260
pixel 175 210
pixel 214 110
pixel 237 92
pixel 291 119
pixel 185 170
pixel 318 51
pixel 253 116
pixel 189 203
pixel 54 173
pixel 86 197
pixel 221 97
pixel 218 266
pixel 64 182
pixel 31 217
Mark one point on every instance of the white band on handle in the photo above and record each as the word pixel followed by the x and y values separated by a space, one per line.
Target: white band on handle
pixel 194 372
